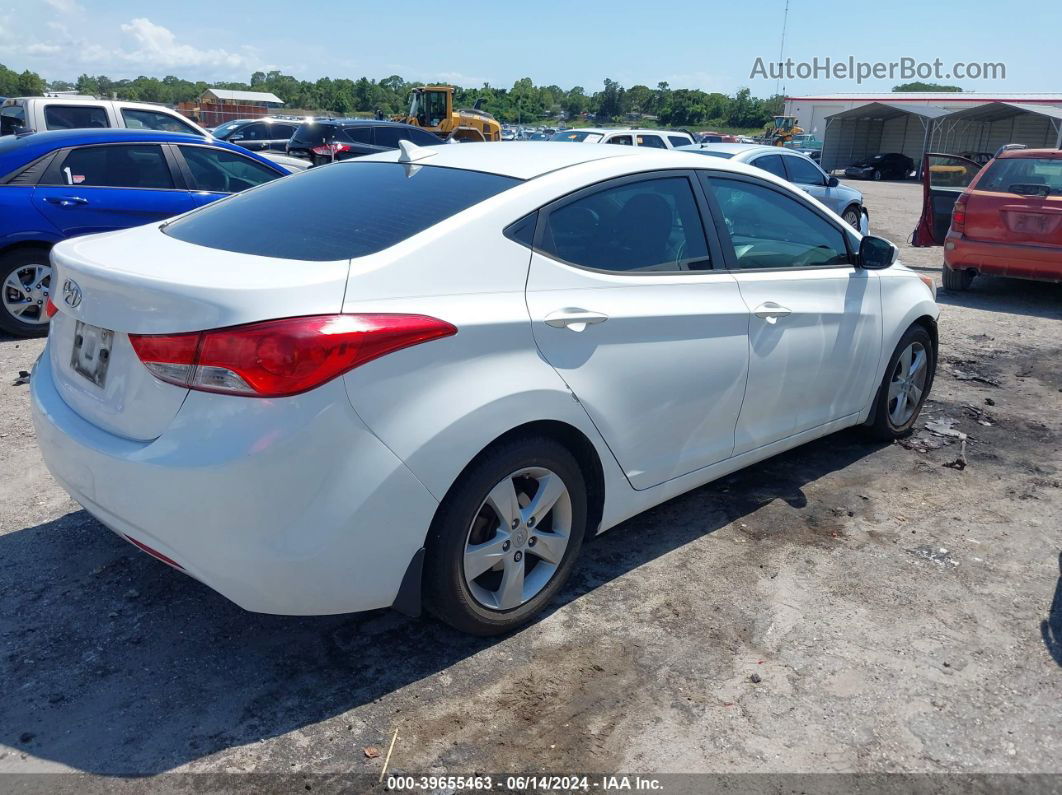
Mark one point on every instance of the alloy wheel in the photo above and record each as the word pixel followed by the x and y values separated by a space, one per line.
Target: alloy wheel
pixel 907 384
pixel 518 538
pixel 25 293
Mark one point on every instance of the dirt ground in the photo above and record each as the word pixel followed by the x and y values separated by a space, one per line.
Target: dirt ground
pixel 847 607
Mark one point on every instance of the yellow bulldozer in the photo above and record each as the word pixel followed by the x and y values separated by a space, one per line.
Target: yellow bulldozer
pixel 432 107
pixel 780 131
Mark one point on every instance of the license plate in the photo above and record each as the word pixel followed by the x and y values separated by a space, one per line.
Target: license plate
pixel 92 352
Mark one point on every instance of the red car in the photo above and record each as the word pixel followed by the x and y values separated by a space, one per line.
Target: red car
pixel 1003 219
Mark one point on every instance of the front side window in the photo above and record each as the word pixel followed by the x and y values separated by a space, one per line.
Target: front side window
pixel 118 166
pixel 771 230
pixel 347 210
pixel 654 141
pixel 678 140
pixel 154 120
pixel 771 163
pixel 219 171
pixel 622 140
pixel 648 225
pixel 800 170
pixel 74 117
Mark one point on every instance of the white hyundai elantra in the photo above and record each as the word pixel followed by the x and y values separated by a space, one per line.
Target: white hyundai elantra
pixel 423 378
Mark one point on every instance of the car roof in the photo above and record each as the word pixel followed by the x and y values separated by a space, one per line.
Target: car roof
pixel 625 130
pixel 33 145
pixel 356 122
pixel 731 148
pixel 519 159
pixel 1054 154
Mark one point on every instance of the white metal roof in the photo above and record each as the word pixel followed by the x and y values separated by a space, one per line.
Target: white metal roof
pixel 992 111
pixel 889 110
pixel 244 96
pixel 938 96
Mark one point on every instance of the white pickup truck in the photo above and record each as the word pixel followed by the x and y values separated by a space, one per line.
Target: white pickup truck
pixel 34 114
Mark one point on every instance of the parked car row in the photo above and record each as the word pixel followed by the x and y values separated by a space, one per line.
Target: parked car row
pixel 61 184
pixel 295 395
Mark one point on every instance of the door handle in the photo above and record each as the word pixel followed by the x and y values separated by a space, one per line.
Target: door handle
pixel 66 201
pixel 770 311
pixel 574 318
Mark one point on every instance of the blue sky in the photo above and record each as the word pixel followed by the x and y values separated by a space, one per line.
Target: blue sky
pixel 688 44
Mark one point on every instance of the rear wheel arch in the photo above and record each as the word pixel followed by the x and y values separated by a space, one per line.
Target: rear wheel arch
pixel 576 442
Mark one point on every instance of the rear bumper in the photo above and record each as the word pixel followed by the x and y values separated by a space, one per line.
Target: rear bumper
pixel 287 506
pixel 1003 259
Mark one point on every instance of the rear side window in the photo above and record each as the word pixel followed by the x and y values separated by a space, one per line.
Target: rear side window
pixel 155 120
pixel 338 211
pixel 648 225
pixel 118 166
pixel 771 163
pixel 654 141
pixel 74 117
pixel 358 135
pixel 622 140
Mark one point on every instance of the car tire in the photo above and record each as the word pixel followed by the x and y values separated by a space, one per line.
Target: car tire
pixel 876 176
pixel 851 216
pixel 23 272
pixel 469 530
pixel 895 412
pixel 957 280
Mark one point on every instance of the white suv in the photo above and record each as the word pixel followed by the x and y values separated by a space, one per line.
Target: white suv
pixel 654 139
pixel 33 114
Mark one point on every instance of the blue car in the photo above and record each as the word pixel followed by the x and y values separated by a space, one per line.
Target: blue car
pixel 55 185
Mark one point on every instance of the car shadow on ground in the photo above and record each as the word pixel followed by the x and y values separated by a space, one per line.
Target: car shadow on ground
pixel 1010 296
pixel 1051 627
pixel 115 664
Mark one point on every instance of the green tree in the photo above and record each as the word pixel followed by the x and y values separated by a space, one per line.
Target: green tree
pixel 917 86
pixel 30 84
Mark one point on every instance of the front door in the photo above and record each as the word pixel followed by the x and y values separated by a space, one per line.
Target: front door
pixel 814 318
pixel 651 341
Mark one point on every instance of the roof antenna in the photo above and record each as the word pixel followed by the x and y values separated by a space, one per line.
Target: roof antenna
pixel 781 48
pixel 411 153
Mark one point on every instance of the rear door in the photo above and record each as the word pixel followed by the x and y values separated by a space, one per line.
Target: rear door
pixel 627 309
pixel 110 186
pixel 814 318
pixel 944 178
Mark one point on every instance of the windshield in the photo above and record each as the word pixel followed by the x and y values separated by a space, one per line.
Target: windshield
pixel 337 211
pixel 224 129
pixel 1024 175
pixel 577 136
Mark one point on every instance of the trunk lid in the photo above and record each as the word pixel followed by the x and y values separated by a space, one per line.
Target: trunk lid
pixel 141 281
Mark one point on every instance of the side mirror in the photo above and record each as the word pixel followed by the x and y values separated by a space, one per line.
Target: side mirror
pixel 876 253
pixel 832 182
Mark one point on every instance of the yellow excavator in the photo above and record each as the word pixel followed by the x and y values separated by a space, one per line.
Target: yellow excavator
pixel 781 130
pixel 432 107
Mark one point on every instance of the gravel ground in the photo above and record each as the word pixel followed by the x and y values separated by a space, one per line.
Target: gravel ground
pixel 845 607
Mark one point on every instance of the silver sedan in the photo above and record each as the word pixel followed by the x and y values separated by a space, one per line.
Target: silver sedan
pixel 798 169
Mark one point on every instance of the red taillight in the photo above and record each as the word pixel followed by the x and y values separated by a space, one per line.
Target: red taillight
pixel 277 358
pixel 50 308
pixel 958 213
pixel 329 150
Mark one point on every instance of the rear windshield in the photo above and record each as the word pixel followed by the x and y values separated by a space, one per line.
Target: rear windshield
pixel 577 136
pixel 337 211
pixel 1025 175
pixel 313 133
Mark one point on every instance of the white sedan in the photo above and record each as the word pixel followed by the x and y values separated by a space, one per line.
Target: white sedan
pixel 425 377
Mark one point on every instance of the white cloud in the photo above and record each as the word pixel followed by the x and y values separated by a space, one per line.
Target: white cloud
pixel 65 6
pixel 155 45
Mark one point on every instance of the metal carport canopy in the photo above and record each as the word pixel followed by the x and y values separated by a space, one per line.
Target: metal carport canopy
pixel 991 112
pixel 861 131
